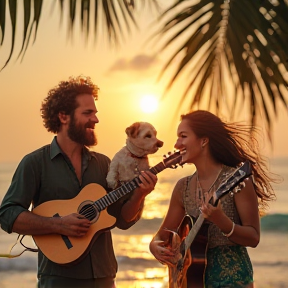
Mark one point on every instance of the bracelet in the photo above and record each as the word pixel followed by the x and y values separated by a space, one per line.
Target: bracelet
pixel 231 232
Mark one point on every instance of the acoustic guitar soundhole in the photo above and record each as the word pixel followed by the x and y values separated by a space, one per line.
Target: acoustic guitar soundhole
pixel 89 210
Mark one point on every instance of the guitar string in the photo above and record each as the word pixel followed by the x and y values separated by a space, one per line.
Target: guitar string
pixel 89 209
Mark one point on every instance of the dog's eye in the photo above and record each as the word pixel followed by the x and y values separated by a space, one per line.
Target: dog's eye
pixel 148 136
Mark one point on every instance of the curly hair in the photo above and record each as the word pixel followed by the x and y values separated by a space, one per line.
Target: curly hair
pixel 62 98
pixel 233 143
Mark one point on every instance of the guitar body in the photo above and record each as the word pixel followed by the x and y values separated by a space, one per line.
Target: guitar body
pixel 91 203
pixel 191 275
pixel 196 271
pixel 177 278
pixel 62 249
pixel 189 270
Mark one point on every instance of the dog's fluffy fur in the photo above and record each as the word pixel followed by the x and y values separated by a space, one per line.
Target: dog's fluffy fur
pixel 132 158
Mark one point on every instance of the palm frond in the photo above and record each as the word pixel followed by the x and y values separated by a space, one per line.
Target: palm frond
pixel 26 38
pixel 2 19
pixel 246 42
pixel 118 17
pixel 13 12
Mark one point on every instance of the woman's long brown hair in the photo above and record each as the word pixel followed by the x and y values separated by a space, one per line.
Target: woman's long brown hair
pixel 234 143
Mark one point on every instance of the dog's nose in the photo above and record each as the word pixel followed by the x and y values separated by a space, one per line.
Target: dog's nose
pixel 160 143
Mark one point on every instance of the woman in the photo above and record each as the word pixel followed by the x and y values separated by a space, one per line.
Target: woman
pixel 217 149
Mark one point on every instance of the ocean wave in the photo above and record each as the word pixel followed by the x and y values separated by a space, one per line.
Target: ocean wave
pixel 142 227
pixel 28 263
pixel 137 264
pixel 270 263
pixel 21 264
pixel 275 223
pixel 269 223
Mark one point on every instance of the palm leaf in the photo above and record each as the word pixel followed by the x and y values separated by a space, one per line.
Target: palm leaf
pixel 13 9
pixel 2 20
pixel 117 15
pixel 245 41
pixel 13 12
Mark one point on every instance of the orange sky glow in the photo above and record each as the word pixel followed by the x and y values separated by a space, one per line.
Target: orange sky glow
pixel 124 75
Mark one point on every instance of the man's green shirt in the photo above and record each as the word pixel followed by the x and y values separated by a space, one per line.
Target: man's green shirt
pixel 47 174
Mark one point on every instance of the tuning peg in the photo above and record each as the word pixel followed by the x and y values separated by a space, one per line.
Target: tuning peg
pixel 169 154
pixel 237 189
pixel 242 185
pixel 175 166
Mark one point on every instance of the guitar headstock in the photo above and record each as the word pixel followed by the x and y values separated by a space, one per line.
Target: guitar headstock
pixel 172 160
pixel 235 180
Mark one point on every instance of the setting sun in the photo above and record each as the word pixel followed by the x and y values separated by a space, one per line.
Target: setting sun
pixel 149 103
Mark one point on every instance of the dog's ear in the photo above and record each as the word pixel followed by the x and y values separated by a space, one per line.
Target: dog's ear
pixel 132 131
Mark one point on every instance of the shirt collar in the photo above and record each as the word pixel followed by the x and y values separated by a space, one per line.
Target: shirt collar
pixel 55 150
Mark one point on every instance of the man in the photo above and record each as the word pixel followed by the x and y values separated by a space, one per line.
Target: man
pixel 59 171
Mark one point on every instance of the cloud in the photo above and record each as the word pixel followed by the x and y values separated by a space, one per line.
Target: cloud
pixel 138 63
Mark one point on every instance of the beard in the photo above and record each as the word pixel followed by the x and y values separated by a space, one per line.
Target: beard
pixel 79 134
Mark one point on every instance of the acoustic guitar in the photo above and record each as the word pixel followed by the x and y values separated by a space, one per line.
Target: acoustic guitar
pixel 91 202
pixel 189 270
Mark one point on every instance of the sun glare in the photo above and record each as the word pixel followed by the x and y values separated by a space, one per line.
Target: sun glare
pixel 149 103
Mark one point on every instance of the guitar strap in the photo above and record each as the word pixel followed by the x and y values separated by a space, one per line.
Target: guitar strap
pixel 18 240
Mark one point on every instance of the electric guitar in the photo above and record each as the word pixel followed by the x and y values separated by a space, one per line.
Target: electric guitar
pixel 91 202
pixel 189 269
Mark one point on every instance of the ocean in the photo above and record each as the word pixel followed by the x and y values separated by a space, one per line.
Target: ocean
pixel 137 266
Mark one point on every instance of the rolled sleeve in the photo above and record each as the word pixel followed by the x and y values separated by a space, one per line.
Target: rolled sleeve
pixel 19 195
pixel 8 216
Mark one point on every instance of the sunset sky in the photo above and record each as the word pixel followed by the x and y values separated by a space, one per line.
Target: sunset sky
pixel 125 75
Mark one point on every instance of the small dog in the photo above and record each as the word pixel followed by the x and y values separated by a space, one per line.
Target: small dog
pixel 132 158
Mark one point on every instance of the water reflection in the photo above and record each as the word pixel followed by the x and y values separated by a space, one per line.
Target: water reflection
pixel 137 266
